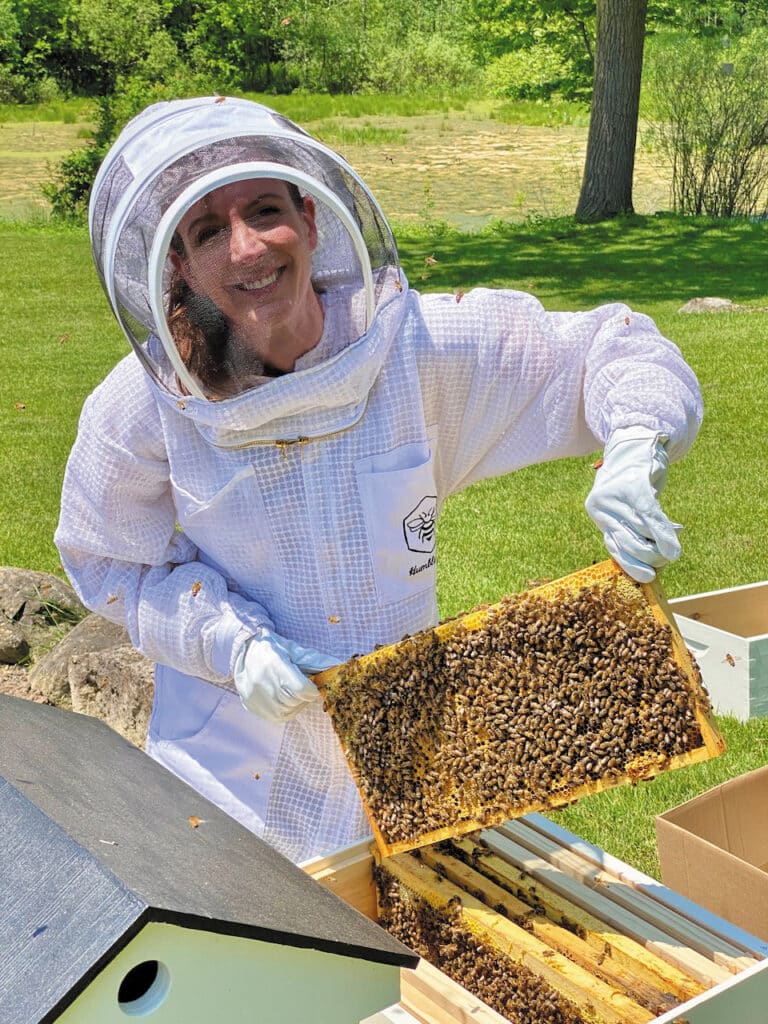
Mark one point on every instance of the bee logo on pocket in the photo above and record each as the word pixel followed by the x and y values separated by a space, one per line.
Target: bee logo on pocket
pixel 419 525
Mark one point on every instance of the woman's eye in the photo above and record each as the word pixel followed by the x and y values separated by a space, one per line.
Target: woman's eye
pixel 206 234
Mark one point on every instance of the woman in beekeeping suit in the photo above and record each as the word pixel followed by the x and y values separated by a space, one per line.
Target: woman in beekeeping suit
pixel 253 491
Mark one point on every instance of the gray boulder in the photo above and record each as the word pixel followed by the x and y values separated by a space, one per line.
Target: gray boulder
pixel 96 670
pixel 36 608
pixel 14 646
pixel 76 659
pixel 49 676
pixel 115 684
pixel 707 305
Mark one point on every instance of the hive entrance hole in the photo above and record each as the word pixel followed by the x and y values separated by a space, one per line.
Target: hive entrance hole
pixel 143 989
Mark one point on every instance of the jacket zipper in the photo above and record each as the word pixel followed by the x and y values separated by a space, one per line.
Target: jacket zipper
pixel 283 444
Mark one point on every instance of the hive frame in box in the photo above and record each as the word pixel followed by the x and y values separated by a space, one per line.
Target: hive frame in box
pixel 429 997
pixel 727 630
pixel 652 599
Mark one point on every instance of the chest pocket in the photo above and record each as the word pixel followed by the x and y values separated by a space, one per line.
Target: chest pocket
pixel 399 499
pixel 231 529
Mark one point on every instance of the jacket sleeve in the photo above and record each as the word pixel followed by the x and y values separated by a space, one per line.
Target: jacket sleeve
pixel 121 548
pixel 507 384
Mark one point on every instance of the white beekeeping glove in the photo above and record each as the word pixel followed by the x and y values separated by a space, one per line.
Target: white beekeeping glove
pixel 624 502
pixel 270 675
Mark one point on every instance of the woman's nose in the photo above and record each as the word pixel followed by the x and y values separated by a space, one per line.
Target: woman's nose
pixel 245 240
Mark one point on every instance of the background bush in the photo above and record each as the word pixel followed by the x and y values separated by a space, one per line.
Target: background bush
pixel 708 103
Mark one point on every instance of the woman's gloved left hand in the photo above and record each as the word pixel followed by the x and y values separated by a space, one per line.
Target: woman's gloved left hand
pixel 624 502
pixel 271 675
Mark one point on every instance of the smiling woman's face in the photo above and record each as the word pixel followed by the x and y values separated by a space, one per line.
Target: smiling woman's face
pixel 248 248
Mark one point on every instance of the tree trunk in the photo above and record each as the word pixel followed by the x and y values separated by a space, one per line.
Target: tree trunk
pixel 606 189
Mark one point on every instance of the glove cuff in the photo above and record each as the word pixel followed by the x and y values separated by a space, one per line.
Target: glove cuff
pixel 656 438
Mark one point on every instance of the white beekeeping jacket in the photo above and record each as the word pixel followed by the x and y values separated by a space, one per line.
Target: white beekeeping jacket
pixel 308 504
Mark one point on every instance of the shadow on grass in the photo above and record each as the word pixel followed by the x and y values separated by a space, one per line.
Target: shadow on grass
pixel 666 257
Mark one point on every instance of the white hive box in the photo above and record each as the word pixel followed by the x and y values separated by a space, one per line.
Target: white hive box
pixel 731 963
pixel 727 632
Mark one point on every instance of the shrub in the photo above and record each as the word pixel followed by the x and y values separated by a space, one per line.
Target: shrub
pixel 709 119
pixel 533 73
pixel 25 89
pixel 420 64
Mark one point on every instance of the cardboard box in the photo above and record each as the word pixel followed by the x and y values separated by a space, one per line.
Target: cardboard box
pixel 727 632
pixel 714 850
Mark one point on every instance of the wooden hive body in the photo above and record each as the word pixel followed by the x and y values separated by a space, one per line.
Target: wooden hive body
pixel 620 945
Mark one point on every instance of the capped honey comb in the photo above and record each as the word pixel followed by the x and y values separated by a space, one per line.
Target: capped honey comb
pixel 532 703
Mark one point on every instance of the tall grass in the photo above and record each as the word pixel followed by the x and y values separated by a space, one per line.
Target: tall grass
pixel 66 111
pixel 340 134
pixel 304 107
pixel 552 113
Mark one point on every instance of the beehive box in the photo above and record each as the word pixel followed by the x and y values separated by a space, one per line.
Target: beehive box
pixel 727 631
pixel 565 690
pixel 592 939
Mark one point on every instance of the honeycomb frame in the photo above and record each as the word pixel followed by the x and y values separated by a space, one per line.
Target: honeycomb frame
pixel 417 790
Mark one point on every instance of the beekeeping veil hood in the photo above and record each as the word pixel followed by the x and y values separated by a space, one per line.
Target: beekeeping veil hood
pixel 166 160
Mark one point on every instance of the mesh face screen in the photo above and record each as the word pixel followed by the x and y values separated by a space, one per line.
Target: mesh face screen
pixel 142 179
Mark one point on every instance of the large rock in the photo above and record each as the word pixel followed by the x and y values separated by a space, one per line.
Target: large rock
pixel 116 685
pixel 49 676
pixel 708 304
pixel 36 609
pixel 78 659
pixel 14 646
pixel 712 304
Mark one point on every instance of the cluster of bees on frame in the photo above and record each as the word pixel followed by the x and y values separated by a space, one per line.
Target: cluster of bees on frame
pixel 547 696
pixel 438 936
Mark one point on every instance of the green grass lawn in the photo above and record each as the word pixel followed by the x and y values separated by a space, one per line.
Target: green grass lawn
pixel 59 339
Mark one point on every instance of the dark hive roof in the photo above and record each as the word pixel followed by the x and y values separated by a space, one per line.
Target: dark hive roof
pixel 95 841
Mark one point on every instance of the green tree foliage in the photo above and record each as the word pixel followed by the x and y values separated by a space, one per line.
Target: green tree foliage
pixel 9 33
pixel 533 48
pixel 528 48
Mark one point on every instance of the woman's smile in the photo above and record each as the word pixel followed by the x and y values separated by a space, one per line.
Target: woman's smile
pixel 261 283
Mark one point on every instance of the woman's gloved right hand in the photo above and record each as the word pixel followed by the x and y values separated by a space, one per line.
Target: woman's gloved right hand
pixel 271 675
